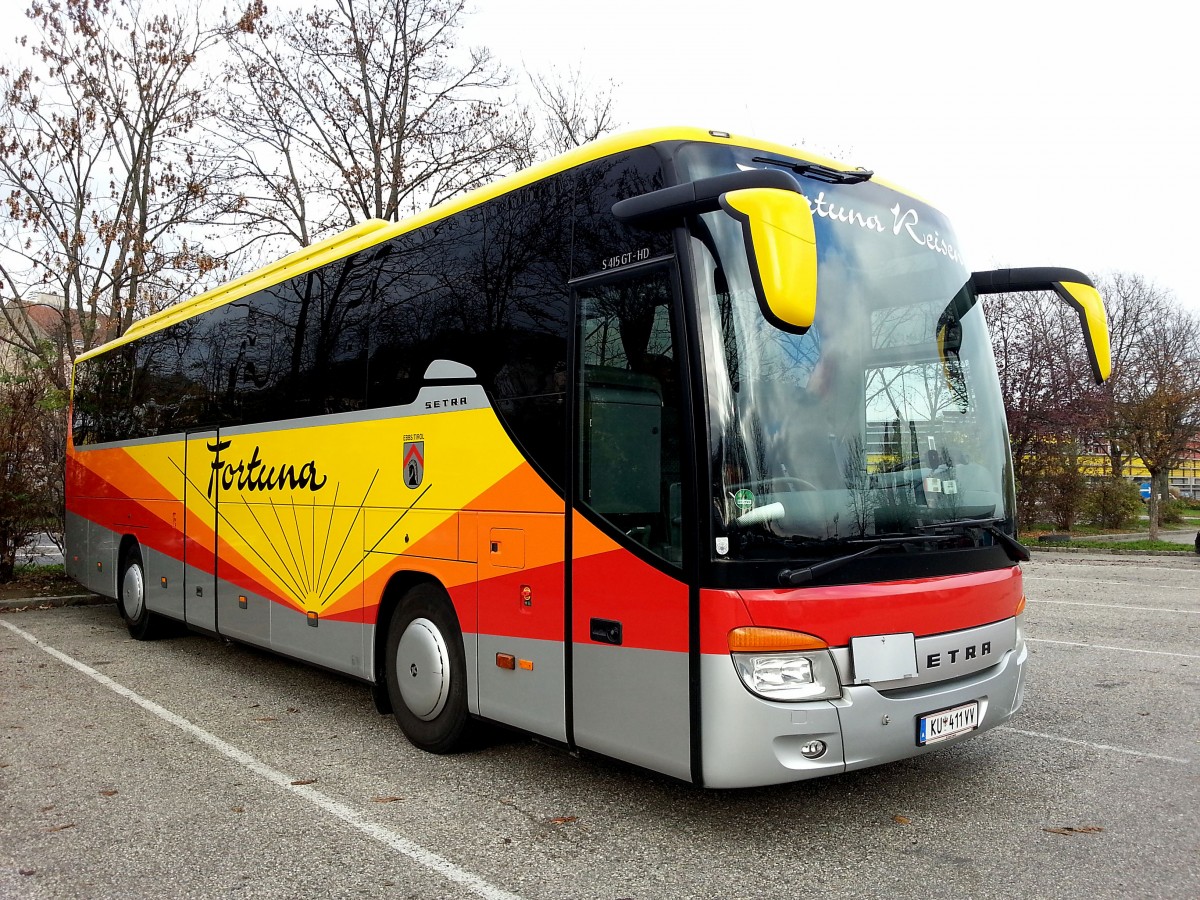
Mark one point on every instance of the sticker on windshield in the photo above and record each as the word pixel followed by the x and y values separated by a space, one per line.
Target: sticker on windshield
pixel 949 487
pixel 744 500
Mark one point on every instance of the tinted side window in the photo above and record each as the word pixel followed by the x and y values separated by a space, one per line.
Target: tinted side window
pixel 630 411
pixel 601 242
pixel 332 375
pixel 427 304
pixel 523 359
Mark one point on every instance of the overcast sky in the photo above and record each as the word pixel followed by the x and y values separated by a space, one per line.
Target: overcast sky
pixel 1052 133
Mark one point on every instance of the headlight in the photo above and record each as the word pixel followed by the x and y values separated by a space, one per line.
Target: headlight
pixel 779 664
pixel 809 675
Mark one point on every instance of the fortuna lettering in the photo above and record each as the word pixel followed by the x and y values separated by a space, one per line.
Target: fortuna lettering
pixel 904 221
pixel 255 475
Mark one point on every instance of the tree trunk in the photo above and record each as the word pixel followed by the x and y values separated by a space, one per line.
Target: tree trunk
pixel 1152 503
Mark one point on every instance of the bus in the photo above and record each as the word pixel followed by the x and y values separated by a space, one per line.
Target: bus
pixel 684 449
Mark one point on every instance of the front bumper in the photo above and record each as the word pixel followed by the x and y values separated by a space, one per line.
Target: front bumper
pixel 748 741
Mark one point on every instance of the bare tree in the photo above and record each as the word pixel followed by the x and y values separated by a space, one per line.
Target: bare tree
pixel 1133 304
pixel 103 192
pixel 1052 408
pixel 571 111
pixel 32 429
pixel 1158 402
pixel 357 110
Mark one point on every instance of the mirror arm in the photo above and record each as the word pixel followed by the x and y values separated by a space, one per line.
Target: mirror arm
pixel 658 208
pixel 1004 281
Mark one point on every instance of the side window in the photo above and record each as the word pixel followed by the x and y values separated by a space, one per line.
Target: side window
pixel 332 375
pixel 601 242
pixel 428 305
pixel 630 416
pixel 523 361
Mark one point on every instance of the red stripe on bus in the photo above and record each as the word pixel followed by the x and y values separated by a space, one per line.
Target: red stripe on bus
pixel 921 606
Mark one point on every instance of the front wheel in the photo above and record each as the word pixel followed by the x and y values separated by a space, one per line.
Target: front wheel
pixel 427 671
pixel 143 625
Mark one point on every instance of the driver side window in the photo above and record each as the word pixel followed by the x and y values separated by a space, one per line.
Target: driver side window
pixel 628 460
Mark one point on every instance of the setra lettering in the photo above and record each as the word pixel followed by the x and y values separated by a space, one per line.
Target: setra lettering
pixel 971 651
pixel 446 403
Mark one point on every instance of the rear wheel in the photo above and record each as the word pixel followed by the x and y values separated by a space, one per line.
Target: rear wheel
pixel 143 625
pixel 427 671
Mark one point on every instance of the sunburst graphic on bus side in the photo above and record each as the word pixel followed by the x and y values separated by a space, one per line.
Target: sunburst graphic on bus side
pixel 293 542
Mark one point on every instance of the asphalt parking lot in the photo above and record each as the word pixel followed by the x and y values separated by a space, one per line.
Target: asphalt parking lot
pixel 193 767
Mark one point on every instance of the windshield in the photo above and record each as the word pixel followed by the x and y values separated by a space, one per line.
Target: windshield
pixel 884 418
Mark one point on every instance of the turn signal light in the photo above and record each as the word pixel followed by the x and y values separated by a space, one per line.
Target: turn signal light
pixel 752 639
pixel 506 661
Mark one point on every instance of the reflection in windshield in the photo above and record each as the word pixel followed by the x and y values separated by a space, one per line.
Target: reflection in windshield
pixel 884 418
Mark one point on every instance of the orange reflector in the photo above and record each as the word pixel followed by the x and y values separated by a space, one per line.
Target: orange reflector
pixel 772 640
pixel 526 664
pixel 506 661
pixel 164 581
pixel 1020 606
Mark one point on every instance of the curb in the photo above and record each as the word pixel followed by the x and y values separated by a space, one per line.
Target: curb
pixel 1174 554
pixel 21 604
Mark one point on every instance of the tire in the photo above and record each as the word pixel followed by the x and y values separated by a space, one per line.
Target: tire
pixel 143 625
pixel 427 672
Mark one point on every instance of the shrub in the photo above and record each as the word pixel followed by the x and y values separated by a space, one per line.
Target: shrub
pixel 1112 503
pixel 1170 512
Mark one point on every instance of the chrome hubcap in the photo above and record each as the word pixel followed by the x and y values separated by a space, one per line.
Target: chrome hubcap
pixel 133 591
pixel 423 669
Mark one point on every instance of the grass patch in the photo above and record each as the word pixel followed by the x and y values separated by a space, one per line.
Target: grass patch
pixel 1121 545
pixel 40 581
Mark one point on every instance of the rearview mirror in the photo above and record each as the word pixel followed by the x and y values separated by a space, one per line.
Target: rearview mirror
pixel 1071 286
pixel 781 247
pixel 777 229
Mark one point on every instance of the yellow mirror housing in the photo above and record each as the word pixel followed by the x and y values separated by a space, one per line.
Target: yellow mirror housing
pixel 1073 287
pixel 1090 306
pixel 781 246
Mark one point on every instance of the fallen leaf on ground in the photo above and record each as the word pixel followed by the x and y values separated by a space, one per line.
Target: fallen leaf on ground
pixel 108 793
pixel 385 799
pixel 237 809
pixel 61 827
pixel 564 820
pixel 1085 829
pixel 902 820
pixel 305 781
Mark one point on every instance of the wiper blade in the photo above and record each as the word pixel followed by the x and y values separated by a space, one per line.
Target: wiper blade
pixel 794 577
pixel 819 172
pixel 1016 551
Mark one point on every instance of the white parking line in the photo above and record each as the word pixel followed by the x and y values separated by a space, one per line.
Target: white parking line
pixel 1110 647
pixel 386 836
pixel 1109 747
pixel 1194 612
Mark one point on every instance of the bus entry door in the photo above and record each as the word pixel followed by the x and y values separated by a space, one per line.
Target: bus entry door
pixel 201 462
pixel 629 604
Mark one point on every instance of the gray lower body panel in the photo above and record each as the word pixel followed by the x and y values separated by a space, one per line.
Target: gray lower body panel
pixel 749 741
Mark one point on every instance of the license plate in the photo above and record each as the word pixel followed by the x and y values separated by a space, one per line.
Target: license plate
pixel 938 726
